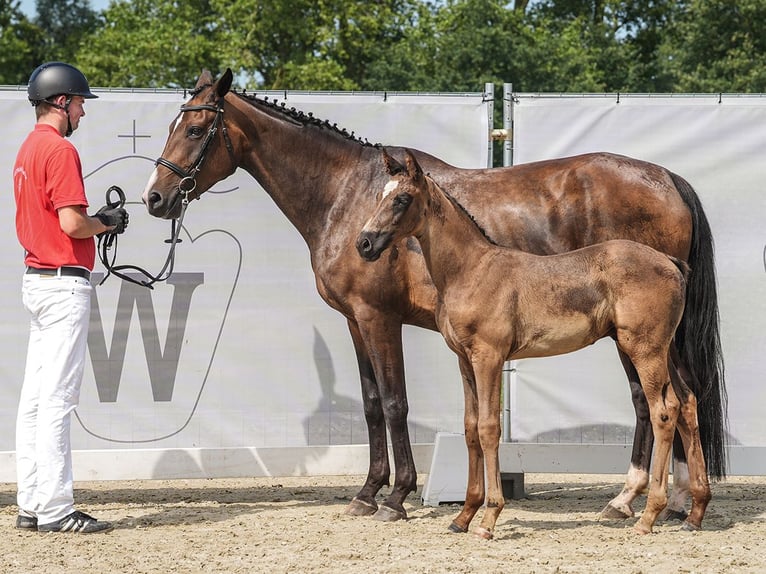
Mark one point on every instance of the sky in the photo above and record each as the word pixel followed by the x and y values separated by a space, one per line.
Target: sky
pixel 28 6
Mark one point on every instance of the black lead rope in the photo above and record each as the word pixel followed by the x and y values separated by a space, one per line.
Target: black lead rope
pixel 108 242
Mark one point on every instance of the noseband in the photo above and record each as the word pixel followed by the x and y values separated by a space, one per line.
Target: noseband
pixel 188 181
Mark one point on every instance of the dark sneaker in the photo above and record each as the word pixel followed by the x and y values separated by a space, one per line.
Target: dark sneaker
pixel 26 522
pixel 76 522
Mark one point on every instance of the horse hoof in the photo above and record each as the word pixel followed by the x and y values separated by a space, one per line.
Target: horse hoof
pixel 388 514
pixel 668 514
pixel 360 508
pixel 688 527
pixel 642 530
pixel 457 529
pixel 613 513
pixel 483 533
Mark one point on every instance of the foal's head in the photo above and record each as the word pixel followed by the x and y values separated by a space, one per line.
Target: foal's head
pixel 401 208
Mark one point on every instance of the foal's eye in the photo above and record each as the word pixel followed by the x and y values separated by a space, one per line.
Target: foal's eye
pixel 402 200
pixel 194 131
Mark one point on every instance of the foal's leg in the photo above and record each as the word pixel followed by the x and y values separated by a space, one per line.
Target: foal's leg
pixel 488 369
pixel 664 408
pixel 637 479
pixel 681 484
pixel 474 495
pixel 699 485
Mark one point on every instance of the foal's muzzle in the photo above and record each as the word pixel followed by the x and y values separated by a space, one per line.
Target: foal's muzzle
pixel 371 244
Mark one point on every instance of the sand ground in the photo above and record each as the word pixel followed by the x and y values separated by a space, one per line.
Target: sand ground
pixel 298 525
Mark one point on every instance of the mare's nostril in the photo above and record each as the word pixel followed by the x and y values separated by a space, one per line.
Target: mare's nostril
pixel 154 199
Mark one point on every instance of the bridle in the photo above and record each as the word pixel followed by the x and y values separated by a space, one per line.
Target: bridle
pixel 186 187
pixel 188 176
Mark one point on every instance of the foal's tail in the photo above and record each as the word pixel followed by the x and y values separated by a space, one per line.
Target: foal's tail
pixel 698 338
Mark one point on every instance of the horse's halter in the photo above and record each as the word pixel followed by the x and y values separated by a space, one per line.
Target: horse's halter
pixel 188 181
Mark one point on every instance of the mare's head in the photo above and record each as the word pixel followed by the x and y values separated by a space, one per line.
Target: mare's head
pixel 400 211
pixel 198 152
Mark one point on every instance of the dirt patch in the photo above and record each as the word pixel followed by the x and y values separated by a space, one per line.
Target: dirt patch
pixel 297 525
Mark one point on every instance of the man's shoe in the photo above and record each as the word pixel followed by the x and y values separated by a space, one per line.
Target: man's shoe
pixel 26 522
pixel 76 522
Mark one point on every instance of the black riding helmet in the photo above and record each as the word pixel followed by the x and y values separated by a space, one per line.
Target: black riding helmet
pixel 57 78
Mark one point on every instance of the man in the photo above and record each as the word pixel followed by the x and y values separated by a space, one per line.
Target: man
pixel 57 235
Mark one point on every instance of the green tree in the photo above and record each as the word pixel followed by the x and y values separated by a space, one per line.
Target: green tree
pixel 64 23
pixel 309 44
pixel 718 46
pixel 152 43
pixel 20 43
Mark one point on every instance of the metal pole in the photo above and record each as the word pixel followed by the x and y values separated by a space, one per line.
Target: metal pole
pixel 489 97
pixel 509 368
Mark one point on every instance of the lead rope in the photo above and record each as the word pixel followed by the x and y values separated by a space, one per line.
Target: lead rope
pixel 107 242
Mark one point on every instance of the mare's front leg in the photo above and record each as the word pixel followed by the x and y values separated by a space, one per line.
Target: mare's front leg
pixel 364 504
pixel 474 496
pixel 382 338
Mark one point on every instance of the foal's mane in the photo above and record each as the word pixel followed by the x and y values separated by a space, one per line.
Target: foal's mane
pixel 460 207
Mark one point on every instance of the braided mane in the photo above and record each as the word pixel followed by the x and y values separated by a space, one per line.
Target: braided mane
pixel 302 118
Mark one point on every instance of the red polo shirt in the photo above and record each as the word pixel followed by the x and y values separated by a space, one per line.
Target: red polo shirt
pixel 48 176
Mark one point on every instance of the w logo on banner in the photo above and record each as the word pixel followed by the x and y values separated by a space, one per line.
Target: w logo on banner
pixel 152 351
pixel 161 362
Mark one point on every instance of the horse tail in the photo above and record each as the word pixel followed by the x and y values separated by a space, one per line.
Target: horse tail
pixel 698 337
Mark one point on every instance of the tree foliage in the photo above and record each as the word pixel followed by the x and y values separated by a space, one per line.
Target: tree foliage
pixel 425 45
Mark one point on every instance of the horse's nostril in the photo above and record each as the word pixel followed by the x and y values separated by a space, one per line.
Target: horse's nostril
pixel 154 199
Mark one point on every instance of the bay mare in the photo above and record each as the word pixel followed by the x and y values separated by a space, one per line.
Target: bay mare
pixel 324 180
pixel 498 304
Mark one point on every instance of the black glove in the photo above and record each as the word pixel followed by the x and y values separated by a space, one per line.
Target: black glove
pixel 115 217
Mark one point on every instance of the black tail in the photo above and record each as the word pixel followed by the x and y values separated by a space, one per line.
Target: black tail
pixel 698 338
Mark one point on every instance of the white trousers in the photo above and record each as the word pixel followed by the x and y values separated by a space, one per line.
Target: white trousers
pixel 58 336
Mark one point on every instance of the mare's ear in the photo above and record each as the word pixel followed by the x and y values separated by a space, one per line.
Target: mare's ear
pixel 392 166
pixel 223 85
pixel 205 79
pixel 413 167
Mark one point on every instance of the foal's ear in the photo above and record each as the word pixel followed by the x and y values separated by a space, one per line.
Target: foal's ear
pixel 392 166
pixel 223 85
pixel 413 167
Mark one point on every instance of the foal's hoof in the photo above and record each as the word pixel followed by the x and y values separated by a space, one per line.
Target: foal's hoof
pixel 457 529
pixel 482 533
pixel 669 514
pixel 688 527
pixel 388 514
pixel 360 508
pixel 638 528
pixel 613 513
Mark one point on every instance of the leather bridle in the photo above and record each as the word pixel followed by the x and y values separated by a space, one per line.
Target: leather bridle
pixel 188 182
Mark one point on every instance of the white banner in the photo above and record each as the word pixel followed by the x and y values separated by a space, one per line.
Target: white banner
pixel 237 349
pixel 717 144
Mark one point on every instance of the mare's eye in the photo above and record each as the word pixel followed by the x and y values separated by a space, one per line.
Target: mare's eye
pixel 194 132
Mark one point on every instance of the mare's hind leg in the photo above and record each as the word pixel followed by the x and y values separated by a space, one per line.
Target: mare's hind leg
pixel 637 479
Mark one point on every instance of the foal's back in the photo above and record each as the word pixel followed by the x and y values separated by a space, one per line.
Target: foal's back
pixel 560 303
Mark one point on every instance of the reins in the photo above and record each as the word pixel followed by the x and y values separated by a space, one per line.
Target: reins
pixel 186 187
pixel 108 241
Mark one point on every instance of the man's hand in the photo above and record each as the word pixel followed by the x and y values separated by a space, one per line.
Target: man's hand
pixel 114 217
